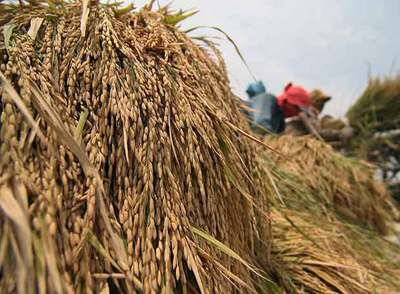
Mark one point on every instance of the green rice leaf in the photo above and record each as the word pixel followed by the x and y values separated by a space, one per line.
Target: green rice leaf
pixel 124 10
pixel 7 32
pixel 174 19
pixel 81 124
pixel 92 239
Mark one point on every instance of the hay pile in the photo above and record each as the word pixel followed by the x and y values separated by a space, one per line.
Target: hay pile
pixel 378 107
pixel 317 256
pixel 328 215
pixel 314 176
pixel 375 118
pixel 117 144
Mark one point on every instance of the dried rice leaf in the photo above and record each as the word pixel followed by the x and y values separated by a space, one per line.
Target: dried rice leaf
pixel 232 42
pixel 21 194
pixel 4 242
pixel 85 16
pixel 13 210
pixel 40 265
pixel 36 23
pixel 21 271
pixel 50 257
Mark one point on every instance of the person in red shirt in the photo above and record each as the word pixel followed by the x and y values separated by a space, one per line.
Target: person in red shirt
pixel 295 102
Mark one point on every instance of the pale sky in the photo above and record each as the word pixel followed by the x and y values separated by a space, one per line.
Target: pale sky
pixel 329 44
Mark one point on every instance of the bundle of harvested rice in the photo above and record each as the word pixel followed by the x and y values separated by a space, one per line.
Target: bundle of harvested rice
pixel 324 180
pixel 313 256
pixel 315 248
pixel 378 107
pixel 120 157
pixel 375 118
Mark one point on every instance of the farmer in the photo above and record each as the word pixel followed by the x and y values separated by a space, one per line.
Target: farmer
pixel 297 107
pixel 263 110
pixel 334 130
pixel 319 99
pixel 302 110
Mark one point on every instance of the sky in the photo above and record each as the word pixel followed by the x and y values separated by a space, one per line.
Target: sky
pixel 334 45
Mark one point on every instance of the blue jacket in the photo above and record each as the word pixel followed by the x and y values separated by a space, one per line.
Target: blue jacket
pixel 265 114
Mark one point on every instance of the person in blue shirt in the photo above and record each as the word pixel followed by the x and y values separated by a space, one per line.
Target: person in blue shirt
pixel 263 110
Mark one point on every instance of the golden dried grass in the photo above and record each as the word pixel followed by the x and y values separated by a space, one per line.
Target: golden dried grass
pixel 320 245
pixel 317 256
pixel 322 180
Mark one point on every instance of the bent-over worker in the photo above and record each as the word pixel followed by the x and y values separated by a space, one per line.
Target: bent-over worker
pixel 264 112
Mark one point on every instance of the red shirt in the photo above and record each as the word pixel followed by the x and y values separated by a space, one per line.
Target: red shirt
pixel 292 99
